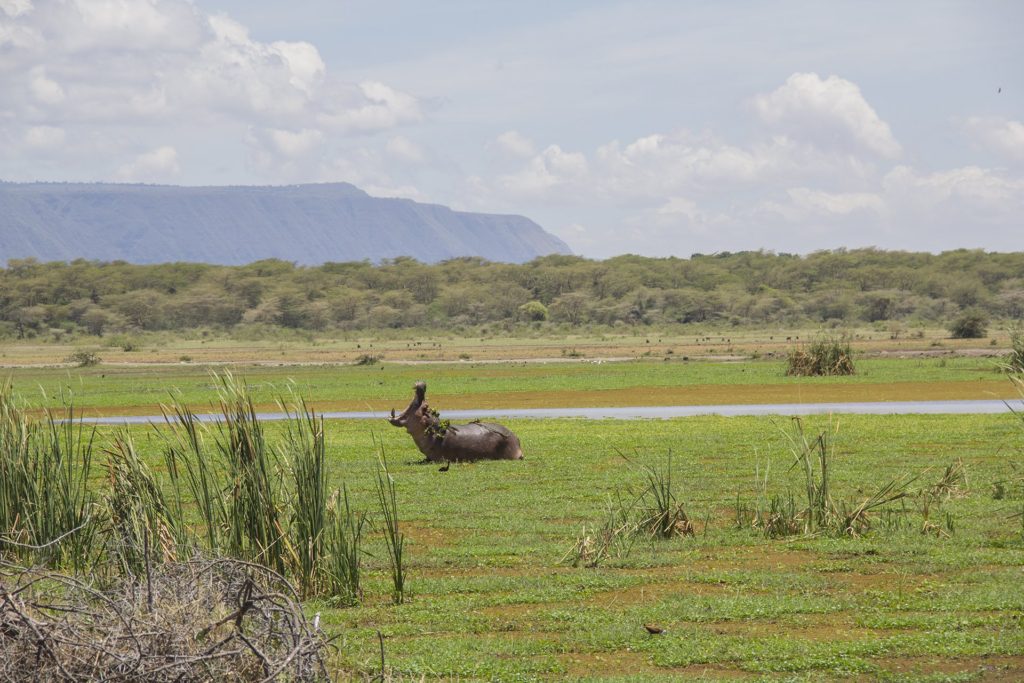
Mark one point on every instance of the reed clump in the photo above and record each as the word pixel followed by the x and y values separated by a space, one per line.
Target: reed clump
pixel 825 356
pixel 141 523
pixel 265 502
pixel 652 511
pixel 816 512
pixel 229 492
pixel 662 515
pixel 47 509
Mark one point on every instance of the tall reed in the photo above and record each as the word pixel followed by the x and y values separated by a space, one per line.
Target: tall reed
pixel 255 530
pixel 343 550
pixel 663 515
pixel 46 507
pixel 1014 361
pixel 303 450
pixel 191 467
pixel 820 508
pixel 143 527
pixel 393 537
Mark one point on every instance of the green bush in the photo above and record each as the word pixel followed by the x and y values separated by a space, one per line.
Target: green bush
pixel 971 325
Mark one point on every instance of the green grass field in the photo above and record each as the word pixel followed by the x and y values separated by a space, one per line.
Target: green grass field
pixel 126 389
pixel 924 594
pixel 492 597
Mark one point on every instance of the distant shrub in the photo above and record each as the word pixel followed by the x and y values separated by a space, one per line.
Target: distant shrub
pixel 83 359
pixel 825 356
pixel 126 344
pixel 533 311
pixel 972 325
pixel 367 359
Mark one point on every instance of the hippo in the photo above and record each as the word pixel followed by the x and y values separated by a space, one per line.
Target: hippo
pixel 441 441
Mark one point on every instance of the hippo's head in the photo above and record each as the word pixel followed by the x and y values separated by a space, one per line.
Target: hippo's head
pixel 420 395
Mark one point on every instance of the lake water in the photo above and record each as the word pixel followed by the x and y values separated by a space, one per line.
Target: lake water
pixel 656 412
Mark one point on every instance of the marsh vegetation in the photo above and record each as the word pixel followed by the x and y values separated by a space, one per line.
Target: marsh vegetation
pixel 879 546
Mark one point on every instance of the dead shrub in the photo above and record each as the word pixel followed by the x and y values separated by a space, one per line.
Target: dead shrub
pixel 202 620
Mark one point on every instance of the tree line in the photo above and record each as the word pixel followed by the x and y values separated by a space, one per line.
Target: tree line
pixel 756 288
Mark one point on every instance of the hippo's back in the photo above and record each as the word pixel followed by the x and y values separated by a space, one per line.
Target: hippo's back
pixel 482 441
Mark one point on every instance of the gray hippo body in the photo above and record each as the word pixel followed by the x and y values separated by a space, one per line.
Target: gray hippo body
pixel 443 442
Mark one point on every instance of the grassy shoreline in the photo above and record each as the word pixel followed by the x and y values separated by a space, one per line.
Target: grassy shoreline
pixel 114 390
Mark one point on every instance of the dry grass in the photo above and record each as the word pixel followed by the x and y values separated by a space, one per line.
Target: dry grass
pixel 218 620
pixel 650 342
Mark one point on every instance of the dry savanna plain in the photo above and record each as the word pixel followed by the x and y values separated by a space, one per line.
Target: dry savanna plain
pixel 843 547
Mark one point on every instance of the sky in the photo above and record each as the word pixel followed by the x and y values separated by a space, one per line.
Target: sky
pixel 657 127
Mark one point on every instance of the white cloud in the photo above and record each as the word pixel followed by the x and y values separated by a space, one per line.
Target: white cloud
pixel 15 8
pixel 45 90
pixel 159 164
pixel 971 184
pixel 405 150
pixel 804 204
pixel 295 143
pixel 305 67
pixel 12 35
pixel 1003 136
pixel 44 137
pixel 515 144
pixel 796 191
pixel 552 172
pixel 662 164
pixel 373 106
pixel 840 203
pixel 680 163
pixel 143 63
pixel 821 109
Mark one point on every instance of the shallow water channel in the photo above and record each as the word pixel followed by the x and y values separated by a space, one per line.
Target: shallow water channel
pixel 652 412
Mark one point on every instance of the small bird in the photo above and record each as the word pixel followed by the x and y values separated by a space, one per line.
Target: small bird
pixel 654 629
pixel 999 90
pixel 446 467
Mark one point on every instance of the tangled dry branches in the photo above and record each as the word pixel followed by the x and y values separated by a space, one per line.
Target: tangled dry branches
pixel 201 620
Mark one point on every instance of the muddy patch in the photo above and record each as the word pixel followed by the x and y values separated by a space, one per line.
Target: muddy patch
pixel 819 629
pixel 649 593
pixel 983 668
pixel 619 663
pixel 423 535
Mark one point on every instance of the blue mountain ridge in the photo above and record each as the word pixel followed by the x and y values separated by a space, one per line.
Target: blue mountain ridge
pixel 234 225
